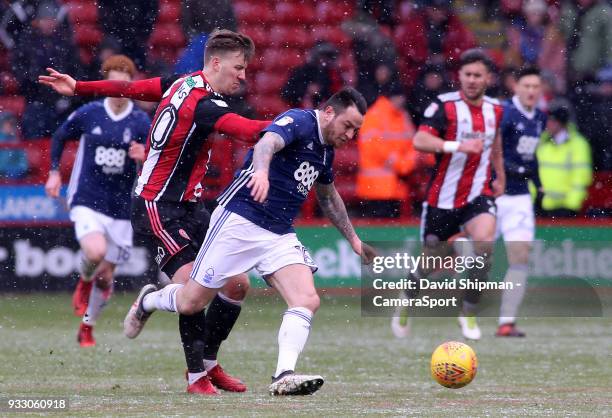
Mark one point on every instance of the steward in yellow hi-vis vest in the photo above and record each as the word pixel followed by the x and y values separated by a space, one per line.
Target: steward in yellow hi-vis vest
pixel 564 157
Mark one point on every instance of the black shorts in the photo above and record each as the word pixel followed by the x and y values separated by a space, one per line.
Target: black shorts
pixel 172 232
pixel 441 224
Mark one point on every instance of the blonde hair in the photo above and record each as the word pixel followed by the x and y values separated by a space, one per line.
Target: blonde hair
pixel 224 40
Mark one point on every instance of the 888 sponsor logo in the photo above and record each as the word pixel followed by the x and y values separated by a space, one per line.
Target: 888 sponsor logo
pixel 306 175
pixel 527 145
pixel 111 159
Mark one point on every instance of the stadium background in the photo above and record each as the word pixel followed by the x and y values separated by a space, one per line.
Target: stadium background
pixel 366 38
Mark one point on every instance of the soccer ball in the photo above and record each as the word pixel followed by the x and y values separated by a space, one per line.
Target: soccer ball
pixel 453 364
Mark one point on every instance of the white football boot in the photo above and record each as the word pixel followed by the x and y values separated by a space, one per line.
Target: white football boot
pixel 288 383
pixel 469 327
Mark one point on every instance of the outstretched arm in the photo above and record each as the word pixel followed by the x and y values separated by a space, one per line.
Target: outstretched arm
pixel 149 90
pixel 263 152
pixel 333 207
pixel 241 128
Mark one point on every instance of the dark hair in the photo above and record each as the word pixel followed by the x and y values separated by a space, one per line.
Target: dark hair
pixel 118 63
pixel 559 110
pixel 475 55
pixel 225 40
pixel 347 97
pixel 527 70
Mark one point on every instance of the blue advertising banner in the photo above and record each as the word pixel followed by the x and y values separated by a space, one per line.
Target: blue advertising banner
pixel 30 204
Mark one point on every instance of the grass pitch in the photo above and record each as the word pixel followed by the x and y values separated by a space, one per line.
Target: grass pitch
pixel 562 368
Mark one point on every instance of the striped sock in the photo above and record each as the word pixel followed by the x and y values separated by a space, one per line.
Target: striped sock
pixel 292 337
pixel 162 300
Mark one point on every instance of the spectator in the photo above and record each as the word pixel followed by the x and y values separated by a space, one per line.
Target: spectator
pixel 386 156
pixel 374 53
pixel 199 19
pixel 587 27
pixel 13 162
pixel 507 81
pixel 314 81
pixel 46 43
pixel 385 78
pixel 382 10
pixel 564 157
pixel 434 35
pixel 535 39
pixel 16 20
pixel 131 23
pixel 107 48
pixel 599 125
pixel 431 82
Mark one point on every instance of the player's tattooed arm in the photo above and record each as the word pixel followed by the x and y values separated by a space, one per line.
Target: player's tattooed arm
pixel 263 152
pixel 333 207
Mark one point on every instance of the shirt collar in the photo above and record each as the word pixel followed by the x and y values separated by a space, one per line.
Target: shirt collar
pixel 561 137
pixel 117 117
pixel 529 115
pixel 317 116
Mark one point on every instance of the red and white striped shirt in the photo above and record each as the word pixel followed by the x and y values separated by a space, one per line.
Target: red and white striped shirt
pixel 459 177
pixel 177 148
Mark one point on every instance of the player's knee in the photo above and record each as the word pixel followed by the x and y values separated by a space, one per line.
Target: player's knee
pixel 189 307
pixel 237 288
pixel 94 255
pixel 484 233
pixel 311 302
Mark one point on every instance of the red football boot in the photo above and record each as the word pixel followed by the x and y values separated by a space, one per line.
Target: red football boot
pixel 202 386
pixel 509 330
pixel 224 381
pixel 85 336
pixel 80 297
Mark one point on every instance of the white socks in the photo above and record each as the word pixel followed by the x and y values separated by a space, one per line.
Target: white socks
pixel 97 301
pixel 512 298
pixel 194 377
pixel 292 337
pixel 210 364
pixel 162 300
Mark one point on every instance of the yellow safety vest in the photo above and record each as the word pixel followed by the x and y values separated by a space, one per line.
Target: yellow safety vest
pixel 565 171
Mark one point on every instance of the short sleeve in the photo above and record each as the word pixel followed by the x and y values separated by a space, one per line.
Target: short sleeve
pixel 166 82
pixel 288 125
pixel 434 119
pixel 209 110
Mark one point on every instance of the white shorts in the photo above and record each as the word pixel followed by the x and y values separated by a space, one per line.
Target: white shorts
pixel 235 245
pixel 515 218
pixel 118 232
